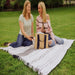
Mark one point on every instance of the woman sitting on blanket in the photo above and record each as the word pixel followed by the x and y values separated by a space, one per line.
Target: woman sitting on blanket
pixel 26 27
pixel 43 25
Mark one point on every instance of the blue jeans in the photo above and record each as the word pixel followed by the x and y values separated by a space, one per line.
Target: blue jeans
pixel 21 41
pixel 53 42
pixel 57 39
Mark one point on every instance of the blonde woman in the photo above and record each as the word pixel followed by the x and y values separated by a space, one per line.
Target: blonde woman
pixel 26 27
pixel 43 25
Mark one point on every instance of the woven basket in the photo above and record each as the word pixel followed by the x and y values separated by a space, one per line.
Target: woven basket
pixel 41 41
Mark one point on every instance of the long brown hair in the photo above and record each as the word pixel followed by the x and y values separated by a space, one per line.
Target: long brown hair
pixel 25 9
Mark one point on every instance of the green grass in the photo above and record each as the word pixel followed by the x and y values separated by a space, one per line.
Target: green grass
pixel 63 24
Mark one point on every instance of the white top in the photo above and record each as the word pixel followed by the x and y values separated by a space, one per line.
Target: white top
pixel 27 24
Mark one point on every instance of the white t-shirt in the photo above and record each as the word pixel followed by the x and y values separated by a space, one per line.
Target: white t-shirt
pixel 27 24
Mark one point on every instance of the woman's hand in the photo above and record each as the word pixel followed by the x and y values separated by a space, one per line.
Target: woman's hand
pixel 30 38
pixel 43 29
pixel 55 41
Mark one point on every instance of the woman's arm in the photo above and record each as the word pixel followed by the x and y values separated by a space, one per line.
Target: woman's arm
pixel 23 32
pixel 32 29
pixel 37 25
pixel 51 31
pixel 42 29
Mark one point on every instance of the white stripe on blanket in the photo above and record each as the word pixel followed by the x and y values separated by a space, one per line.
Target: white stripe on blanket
pixel 43 60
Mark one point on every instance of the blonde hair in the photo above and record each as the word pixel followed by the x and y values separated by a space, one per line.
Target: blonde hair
pixel 25 9
pixel 42 4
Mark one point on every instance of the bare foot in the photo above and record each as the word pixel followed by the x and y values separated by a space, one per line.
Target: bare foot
pixel 8 44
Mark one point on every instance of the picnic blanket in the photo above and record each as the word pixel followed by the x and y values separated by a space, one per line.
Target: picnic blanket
pixel 42 61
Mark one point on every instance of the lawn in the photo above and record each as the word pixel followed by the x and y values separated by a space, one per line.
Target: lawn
pixel 63 24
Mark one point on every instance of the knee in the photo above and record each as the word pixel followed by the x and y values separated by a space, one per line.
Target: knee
pixel 19 44
pixel 61 41
pixel 27 43
pixel 52 44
